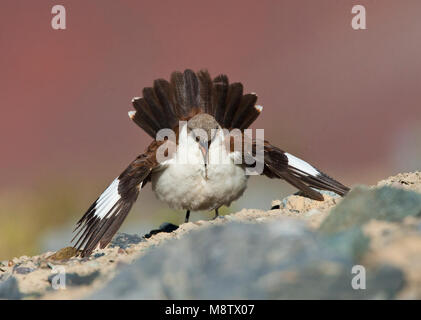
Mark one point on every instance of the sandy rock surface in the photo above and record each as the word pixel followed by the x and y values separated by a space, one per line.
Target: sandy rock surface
pixel 298 249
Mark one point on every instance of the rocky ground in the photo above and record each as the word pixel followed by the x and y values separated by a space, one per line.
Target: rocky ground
pixel 365 246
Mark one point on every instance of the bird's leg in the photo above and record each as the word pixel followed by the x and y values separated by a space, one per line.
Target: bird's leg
pixel 187 216
pixel 216 214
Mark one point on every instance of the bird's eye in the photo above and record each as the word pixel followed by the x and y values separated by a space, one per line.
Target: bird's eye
pixel 197 139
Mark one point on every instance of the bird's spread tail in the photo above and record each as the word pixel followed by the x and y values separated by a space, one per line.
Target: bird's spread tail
pixel 187 93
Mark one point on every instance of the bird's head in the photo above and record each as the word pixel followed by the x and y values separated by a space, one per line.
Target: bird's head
pixel 203 128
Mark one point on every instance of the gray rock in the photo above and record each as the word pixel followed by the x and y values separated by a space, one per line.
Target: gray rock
pixel 124 240
pixel 363 204
pixel 313 283
pixel 9 289
pixel 352 243
pixel 4 276
pixel 282 260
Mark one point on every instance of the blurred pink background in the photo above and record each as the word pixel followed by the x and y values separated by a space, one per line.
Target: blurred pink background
pixel 347 101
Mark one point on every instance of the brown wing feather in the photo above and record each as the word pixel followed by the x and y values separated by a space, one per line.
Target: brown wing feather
pixel 105 216
pixel 278 164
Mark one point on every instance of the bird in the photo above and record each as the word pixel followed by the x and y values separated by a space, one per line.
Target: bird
pixel 192 105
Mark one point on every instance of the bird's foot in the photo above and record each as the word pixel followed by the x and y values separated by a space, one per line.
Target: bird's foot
pixel 216 215
pixel 186 219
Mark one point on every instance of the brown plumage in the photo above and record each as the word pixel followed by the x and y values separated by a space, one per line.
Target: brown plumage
pixel 243 112
pixel 235 94
pixel 219 97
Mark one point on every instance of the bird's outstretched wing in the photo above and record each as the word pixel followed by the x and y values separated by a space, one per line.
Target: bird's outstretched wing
pixel 105 216
pixel 300 174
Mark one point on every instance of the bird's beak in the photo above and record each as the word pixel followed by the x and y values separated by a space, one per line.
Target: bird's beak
pixel 204 148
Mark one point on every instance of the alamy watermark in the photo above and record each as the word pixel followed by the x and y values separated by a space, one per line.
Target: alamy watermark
pixel 58 280
pixel 58 22
pixel 358 21
pixel 358 282
pixel 222 147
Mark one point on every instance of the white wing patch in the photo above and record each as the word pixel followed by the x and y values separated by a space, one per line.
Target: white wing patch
pixel 107 200
pixel 301 165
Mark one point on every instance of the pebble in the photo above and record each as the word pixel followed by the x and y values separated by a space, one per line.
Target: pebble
pixel 23 270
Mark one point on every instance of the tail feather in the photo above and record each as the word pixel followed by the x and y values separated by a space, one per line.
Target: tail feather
pixel 154 106
pixel 144 117
pixel 235 92
pixel 243 112
pixel 219 95
pixel 205 91
pixel 178 86
pixel 191 89
pixel 253 114
pixel 134 115
pixel 163 92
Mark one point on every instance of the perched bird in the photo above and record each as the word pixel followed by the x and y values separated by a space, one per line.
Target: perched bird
pixel 206 106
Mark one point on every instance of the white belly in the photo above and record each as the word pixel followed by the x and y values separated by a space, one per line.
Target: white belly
pixel 191 187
